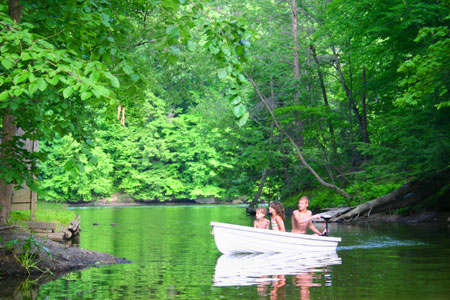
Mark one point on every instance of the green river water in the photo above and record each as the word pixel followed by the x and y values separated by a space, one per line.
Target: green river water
pixel 174 256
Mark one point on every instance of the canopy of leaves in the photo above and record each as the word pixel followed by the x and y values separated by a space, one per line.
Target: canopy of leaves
pixel 366 67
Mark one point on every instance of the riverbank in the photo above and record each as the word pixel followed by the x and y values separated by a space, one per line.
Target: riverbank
pixel 51 258
pixel 409 218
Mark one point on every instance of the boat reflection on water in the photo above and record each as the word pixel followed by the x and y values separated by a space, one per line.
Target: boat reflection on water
pixel 268 271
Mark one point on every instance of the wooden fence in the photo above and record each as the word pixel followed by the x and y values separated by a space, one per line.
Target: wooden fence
pixel 25 199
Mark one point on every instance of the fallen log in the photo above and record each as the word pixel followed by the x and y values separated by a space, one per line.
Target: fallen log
pixel 67 234
pixel 8 227
pixel 411 193
pixel 56 236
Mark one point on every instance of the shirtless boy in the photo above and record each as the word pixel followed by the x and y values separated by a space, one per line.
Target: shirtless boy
pixel 301 218
pixel 261 221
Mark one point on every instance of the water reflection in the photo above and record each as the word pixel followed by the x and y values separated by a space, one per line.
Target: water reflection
pixel 305 281
pixel 268 271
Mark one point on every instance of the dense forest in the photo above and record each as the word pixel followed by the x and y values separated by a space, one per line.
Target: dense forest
pixel 258 100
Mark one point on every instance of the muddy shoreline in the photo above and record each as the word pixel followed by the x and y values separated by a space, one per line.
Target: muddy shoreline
pixel 53 259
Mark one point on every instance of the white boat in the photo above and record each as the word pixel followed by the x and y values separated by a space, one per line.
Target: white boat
pixel 232 238
pixel 257 268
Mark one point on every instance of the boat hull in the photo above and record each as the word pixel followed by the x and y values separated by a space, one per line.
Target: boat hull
pixel 230 238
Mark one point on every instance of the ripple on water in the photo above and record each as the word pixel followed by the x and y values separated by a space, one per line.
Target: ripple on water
pixel 382 243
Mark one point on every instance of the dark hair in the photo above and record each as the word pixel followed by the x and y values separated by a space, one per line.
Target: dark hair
pixel 278 208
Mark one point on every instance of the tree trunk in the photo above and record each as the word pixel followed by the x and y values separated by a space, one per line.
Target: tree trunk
pixel 6 190
pixel 15 10
pixel 325 98
pixel 8 132
pixel 348 91
pixel 411 193
pixel 364 109
pixel 298 122
pixel 260 189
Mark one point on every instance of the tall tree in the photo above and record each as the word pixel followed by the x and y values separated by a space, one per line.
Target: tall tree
pixel 7 136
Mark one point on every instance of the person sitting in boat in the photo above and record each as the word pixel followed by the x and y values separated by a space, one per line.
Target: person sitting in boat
pixel 261 221
pixel 302 218
pixel 276 209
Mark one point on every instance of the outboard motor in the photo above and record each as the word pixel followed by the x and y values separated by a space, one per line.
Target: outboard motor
pixel 326 218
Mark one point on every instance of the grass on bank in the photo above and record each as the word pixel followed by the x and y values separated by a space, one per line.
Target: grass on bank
pixel 45 212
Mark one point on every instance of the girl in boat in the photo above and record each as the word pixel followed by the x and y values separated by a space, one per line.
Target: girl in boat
pixel 276 209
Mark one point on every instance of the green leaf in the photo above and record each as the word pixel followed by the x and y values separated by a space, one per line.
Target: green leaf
pixel 127 69
pixel 25 56
pixel 7 63
pixel 89 142
pixel 69 164
pixel 21 77
pixel 171 4
pixel 4 95
pixel 31 78
pixel 93 160
pixel 134 77
pixel 80 168
pixel 222 73
pixel 225 50
pixel 54 80
pixel 42 85
pixel 19 91
pixel 243 119
pixel 33 88
pixel 85 95
pixel 191 46
pixel 213 50
pixel 172 59
pixel 95 75
pixel 114 81
pixel 172 31
pixel 239 110
pixel 67 92
pixel 236 100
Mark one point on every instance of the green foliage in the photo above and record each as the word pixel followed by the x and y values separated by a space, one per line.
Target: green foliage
pixel 46 89
pixel 365 191
pixel 417 142
pixel 178 68
pixel 30 253
pixel 428 74
pixel 70 174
